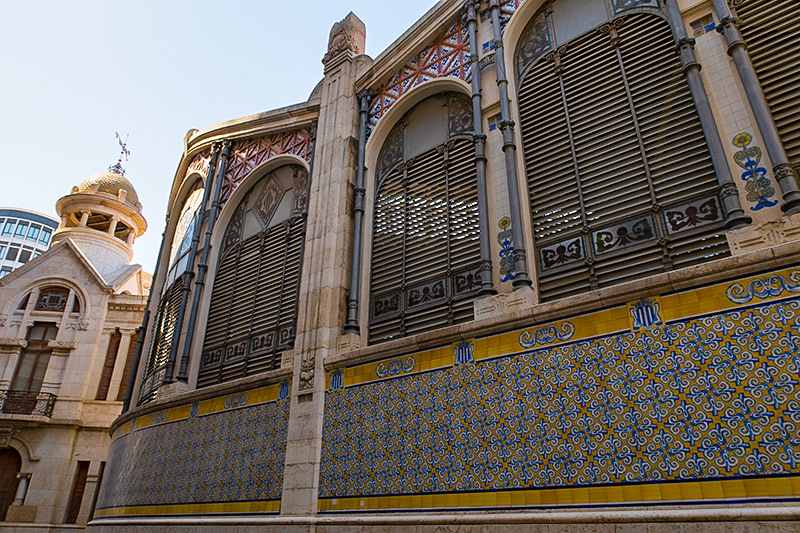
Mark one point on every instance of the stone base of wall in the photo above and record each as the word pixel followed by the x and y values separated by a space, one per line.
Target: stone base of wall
pixel 777 519
pixel 756 237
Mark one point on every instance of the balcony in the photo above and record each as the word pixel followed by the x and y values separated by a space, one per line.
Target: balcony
pixel 27 403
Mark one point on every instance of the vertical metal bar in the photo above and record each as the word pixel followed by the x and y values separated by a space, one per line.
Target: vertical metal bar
pixel 735 215
pixel 169 371
pixel 202 267
pixel 479 140
pixel 510 152
pixel 737 49
pixel 351 323
pixel 137 357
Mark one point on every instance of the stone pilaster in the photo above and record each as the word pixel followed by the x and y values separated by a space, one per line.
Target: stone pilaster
pixel 324 277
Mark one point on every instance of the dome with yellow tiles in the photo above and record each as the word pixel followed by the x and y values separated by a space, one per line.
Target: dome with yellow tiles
pixel 110 182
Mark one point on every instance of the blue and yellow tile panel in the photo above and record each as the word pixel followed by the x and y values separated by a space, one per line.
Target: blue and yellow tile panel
pixel 220 455
pixel 691 396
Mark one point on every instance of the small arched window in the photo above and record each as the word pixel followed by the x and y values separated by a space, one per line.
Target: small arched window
pixel 52 299
pixel 253 308
pixel 425 249
pixel 184 231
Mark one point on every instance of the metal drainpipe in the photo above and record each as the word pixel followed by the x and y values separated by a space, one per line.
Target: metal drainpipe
pixel 510 152
pixel 137 357
pixel 736 217
pixel 479 139
pixel 186 278
pixel 351 324
pixel 202 267
pixel 737 49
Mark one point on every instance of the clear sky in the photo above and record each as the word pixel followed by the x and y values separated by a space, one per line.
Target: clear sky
pixel 74 72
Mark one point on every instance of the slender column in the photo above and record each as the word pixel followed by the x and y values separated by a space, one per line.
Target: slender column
pixel 186 277
pixel 351 325
pixel 84 218
pixel 737 49
pixel 510 152
pixel 112 226
pixel 202 267
pixel 137 358
pixel 736 217
pixel 119 363
pixel 479 139
pixel 22 489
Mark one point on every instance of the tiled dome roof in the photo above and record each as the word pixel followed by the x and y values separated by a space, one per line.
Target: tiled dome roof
pixel 111 183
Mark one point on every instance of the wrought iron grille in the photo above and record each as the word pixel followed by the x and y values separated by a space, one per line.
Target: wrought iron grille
pixel 771 29
pixel 425 248
pixel 27 403
pixel 620 179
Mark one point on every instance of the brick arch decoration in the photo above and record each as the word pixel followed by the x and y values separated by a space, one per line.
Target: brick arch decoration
pixel 247 154
pixel 200 163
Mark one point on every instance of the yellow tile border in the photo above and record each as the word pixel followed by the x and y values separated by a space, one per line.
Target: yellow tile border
pixel 217 404
pixel 264 506
pixel 678 305
pixel 674 492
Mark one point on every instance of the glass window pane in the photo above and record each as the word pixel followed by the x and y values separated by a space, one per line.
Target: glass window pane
pixel 38 373
pixel 33 232
pixel 12 253
pixel 5 271
pixel 22 228
pixel 8 229
pixel 24 255
pixel 44 237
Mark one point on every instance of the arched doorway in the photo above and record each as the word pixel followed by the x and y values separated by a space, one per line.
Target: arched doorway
pixel 10 464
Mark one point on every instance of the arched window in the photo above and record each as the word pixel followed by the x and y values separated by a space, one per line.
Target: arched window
pixel 620 179
pixel 771 29
pixel 425 250
pixel 52 299
pixel 169 306
pixel 253 307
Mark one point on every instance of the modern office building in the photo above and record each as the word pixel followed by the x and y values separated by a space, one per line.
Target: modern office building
pixel 23 235
pixel 535 267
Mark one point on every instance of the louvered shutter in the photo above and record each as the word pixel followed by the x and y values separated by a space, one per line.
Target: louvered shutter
pixel 425 251
pixel 771 29
pixel 253 305
pixel 161 345
pixel 616 161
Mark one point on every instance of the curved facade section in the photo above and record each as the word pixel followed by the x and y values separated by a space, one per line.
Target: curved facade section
pixel 355 341
pixel 23 236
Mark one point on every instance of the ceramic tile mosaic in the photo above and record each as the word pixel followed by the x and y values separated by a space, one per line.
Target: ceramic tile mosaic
pixel 688 396
pixel 225 454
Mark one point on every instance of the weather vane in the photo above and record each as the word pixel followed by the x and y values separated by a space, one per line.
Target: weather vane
pixel 124 153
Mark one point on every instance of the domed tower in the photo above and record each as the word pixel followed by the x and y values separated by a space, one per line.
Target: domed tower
pixel 103 217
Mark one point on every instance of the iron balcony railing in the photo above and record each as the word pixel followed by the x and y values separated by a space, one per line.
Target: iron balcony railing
pixel 27 403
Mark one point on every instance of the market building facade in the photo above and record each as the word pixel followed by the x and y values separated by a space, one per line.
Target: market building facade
pixel 534 264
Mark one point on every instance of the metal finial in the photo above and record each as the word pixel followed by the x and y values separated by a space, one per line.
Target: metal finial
pixel 124 153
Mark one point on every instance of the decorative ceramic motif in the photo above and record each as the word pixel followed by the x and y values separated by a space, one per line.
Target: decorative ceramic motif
pixel 766 287
pixel 693 214
pixel 534 42
pixel 448 56
pixel 624 234
pixel 505 239
pixel 713 397
pixel 395 367
pixel 546 335
pixel 757 185
pixel 247 154
pixel 645 313
pixel 236 455
pixel 561 253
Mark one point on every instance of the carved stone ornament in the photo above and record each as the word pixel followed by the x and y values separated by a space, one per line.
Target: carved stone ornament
pixel 347 35
pixel 6 434
pixel 307 372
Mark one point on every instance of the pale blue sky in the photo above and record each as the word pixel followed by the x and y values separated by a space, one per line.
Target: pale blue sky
pixel 75 72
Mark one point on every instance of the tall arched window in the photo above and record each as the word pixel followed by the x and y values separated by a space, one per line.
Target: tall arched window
pixel 169 306
pixel 253 308
pixel 620 178
pixel 425 250
pixel 771 29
